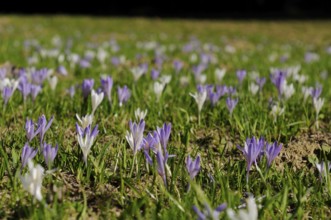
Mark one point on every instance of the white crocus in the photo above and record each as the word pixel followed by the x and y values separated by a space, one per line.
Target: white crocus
pixel 306 91
pixel 277 111
pixel 96 100
pixel 9 83
pixel 253 88
pixel 288 90
pixel 219 74
pixel 53 80
pixel 200 98
pixel 137 72
pixel 200 78
pixel 140 114
pixel 184 80
pixel 318 104
pixel 165 79
pixel 85 120
pixel 250 214
pixel 158 89
pixel 32 181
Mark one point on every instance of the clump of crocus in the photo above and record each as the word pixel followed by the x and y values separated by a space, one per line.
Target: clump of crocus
pixel 251 213
pixel 32 181
pixel 86 138
pixel 123 95
pixel 49 154
pixel 251 150
pixel 209 213
pixel 28 153
pixel 231 104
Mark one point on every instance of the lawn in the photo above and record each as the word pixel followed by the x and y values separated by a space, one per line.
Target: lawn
pixel 161 119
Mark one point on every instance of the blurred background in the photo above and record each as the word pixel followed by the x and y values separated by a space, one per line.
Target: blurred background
pixel 230 9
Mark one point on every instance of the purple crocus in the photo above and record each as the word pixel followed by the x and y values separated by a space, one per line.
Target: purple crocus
pixel 135 136
pixel 252 149
pixel 30 131
pixel 107 85
pixel 24 87
pixel 150 143
pixel 7 92
pixel 260 82
pixel 86 138
pixel 49 153
pixel 43 126
pixel 193 166
pixel 71 91
pixel 231 104
pixel 39 76
pixel 28 153
pixel 231 90
pixel 208 212
pixel 316 92
pixel 278 79
pixel 87 87
pixel 35 90
pixel 241 74
pixel 164 134
pixel 3 73
pixel 123 95
pixel 155 74
pixel 62 70
pixel 271 151
pixel 115 61
pixel 84 63
pixel 178 65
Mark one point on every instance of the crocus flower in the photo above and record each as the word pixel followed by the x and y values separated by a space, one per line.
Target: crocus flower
pixel 231 104
pixel 62 70
pixel 260 82
pixel 49 153
pixel 278 79
pixel 251 151
pixel 29 128
pixel 107 85
pixel 193 166
pixel 140 114
pixel 96 100
pixel 323 168
pixel 43 126
pixel 24 87
pixel 178 65
pixel 288 90
pixel 318 104
pixel 316 92
pixel 86 138
pixel 251 213
pixel 150 142
pixel 123 95
pixel 53 80
pixel 253 88
pixel 39 76
pixel 241 74
pixel 71 91
pixel 28 153
pixel 271 151
pixel 7 92
pixel 158 89
pixel 87 87
pixel 277 111
pixel 200 96
pixel 208 213
pixel 32 181
pixel 306 91
pixel 219 74
pixel 137 72
pixel 3 73
pixel 155 74
pixel 85 120
pixel 35 90
pixel 135 136
pixel 84 63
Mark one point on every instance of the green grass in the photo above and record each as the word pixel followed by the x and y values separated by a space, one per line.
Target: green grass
pixel 105 187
